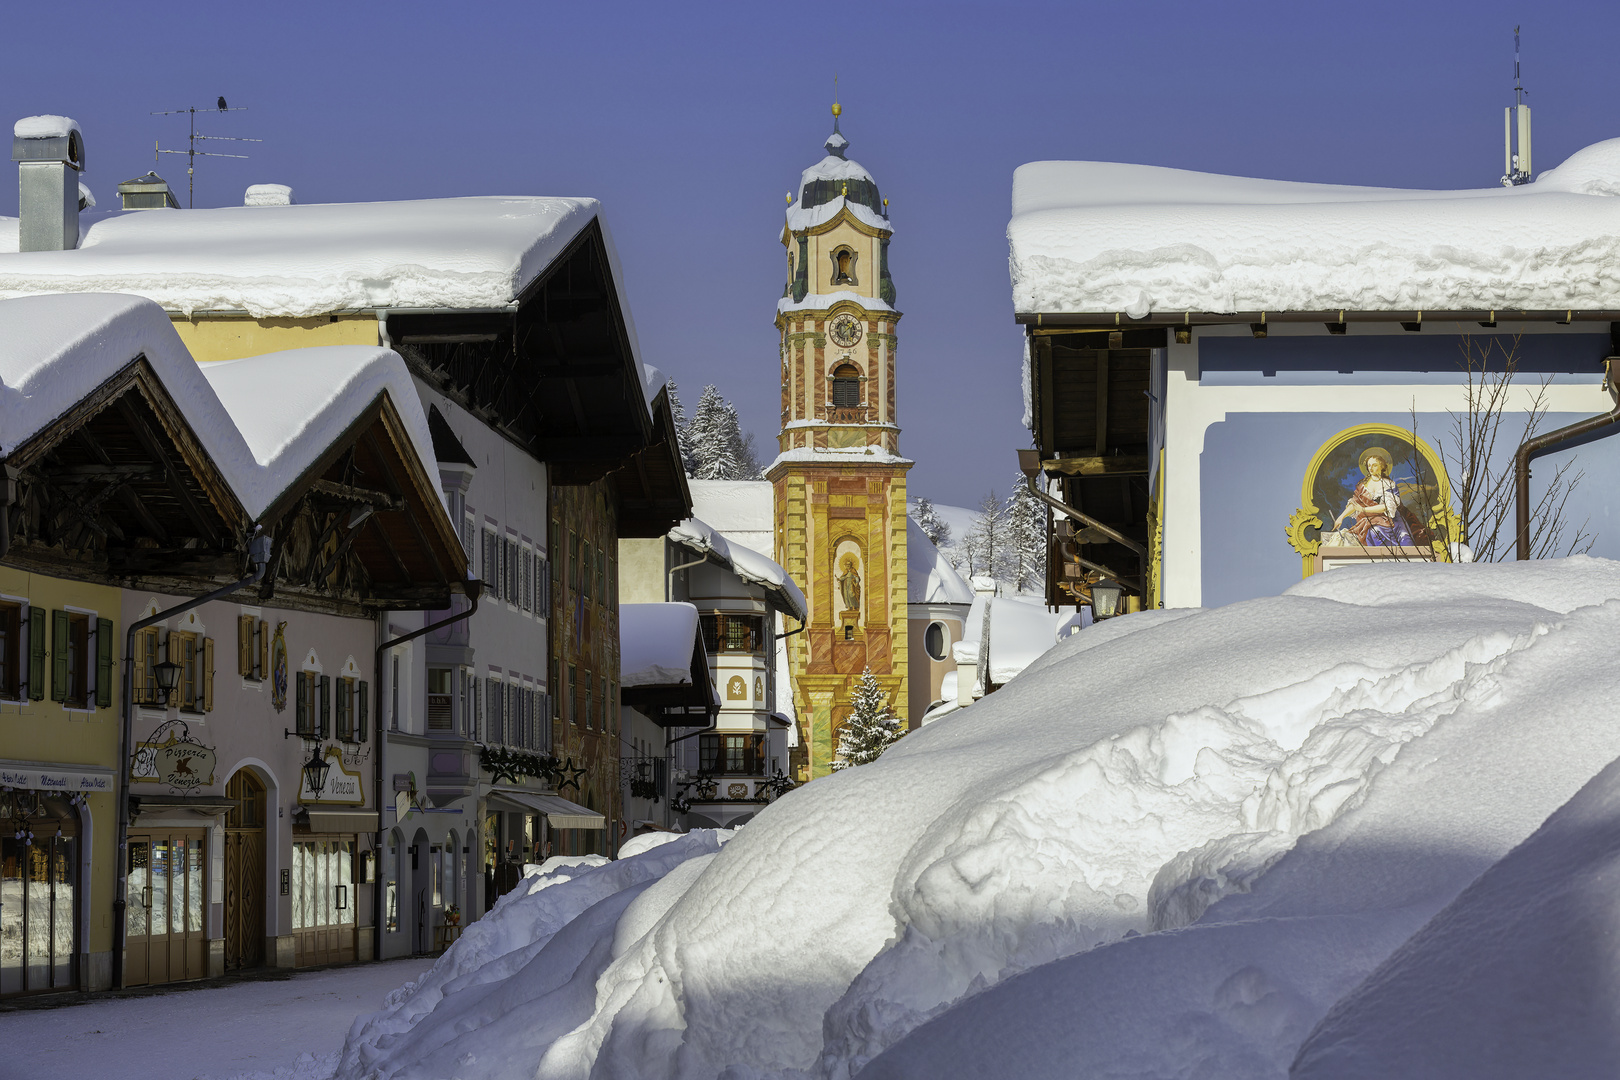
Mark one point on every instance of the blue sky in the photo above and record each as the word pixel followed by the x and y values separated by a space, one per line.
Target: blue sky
pixel 691 121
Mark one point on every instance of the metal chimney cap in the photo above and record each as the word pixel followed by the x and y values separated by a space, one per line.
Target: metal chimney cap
pixel 48 138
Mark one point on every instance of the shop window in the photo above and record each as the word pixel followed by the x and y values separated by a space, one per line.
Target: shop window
pixel 39 864
pixel 846 386
pixel 439 716
pixel 934 640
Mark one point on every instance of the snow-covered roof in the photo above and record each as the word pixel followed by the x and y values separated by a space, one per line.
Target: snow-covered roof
pixel 929 578
pixel 815 204
pixel 744 511
pixel 268 195
pixel 291 406
pixel 45 126
pixel 55 350
pixel 1022 630
pixel 748 564
pixel 839 455
pixel 307 259
pixel 656 644
pixel 822 301
pixel 1104 237
pixel 263 420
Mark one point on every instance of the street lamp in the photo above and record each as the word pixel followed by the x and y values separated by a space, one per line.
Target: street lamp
pixel 1104 599
pixel 315 770
pixel 167 674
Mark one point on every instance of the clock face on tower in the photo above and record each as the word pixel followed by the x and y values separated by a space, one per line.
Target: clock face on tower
pixel 845 330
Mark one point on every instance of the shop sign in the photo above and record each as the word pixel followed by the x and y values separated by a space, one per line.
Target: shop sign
pixel 34 778
pixel 172 757
pixel 342 788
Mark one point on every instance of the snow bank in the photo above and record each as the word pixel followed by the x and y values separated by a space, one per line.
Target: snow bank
pixel 520 977
pixel 1514 978
pixel 1293 928
pixel 1107 237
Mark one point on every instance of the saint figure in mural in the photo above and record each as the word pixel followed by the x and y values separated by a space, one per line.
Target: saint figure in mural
pixel 1380 519
pixel 849 584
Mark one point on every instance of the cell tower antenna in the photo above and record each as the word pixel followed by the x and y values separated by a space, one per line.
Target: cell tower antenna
pixel 191 152
pixel 1516 168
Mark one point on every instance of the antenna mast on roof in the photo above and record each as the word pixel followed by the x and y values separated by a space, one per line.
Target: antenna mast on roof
pixel 1516 122
pixel 192 153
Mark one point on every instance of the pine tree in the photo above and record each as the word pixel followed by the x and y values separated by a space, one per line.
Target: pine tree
pixel 677 414
pixel 929 521
pixel 984 545
pixel 871 727
pixel 716 443
pixel 1025 543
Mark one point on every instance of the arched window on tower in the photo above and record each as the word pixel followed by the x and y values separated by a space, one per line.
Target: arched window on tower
pixel 846 386
pixel 843 260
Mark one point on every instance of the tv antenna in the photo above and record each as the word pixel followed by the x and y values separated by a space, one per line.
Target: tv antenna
pixel 191 152
pixel 1516 123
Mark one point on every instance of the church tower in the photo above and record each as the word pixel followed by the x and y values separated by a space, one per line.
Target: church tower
pixel 839 479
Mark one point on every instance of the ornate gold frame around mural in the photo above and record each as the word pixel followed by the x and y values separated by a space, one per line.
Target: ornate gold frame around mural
pixel 1442 520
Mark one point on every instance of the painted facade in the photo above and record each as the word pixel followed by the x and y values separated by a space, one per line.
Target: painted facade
pixel 839 482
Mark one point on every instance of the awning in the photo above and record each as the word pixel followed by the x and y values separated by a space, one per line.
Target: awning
pixel 339 821
pixel 560 812
pixel 203 807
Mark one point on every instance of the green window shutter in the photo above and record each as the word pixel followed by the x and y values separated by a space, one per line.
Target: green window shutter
pixel 59 656
pixel 104 663
pixel 343 729
pixel 303 724
pixel 326 706
pixel 362 725
pixel 36 653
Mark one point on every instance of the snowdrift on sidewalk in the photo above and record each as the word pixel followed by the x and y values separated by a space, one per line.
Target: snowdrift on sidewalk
pixel 1194 831
pixel 1515 978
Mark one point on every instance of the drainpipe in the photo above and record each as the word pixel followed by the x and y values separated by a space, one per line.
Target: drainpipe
pixel 258 558
pixel 474 589
pixel 1552 440
pixel 669 586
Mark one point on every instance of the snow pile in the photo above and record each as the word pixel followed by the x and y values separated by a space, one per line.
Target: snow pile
pixel 1192 831
pixel 524 974
pixel 44 126
pixel 1108 237
pixel 268 195
pixel 1514 978
pixel 656 643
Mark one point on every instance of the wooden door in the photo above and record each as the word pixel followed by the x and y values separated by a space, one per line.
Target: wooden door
pixel 244 873
pixel 323 901
pixel 166 889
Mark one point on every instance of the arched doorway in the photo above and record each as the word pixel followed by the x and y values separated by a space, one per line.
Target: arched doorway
pixel 244 871
pixel 423 863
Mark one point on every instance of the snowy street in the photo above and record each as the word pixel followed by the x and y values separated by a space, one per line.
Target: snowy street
pixel 286 1029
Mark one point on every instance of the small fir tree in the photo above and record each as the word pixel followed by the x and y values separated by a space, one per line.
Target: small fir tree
pixel 985 544
pixel 1025 544
pixel 929 521
pixel 871 727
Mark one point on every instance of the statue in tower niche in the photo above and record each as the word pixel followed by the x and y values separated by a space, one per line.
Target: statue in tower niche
pixel 849 584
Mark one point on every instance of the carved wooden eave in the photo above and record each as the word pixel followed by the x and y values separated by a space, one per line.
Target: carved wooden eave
pixel 651 490
pixel 120 487
pixel 364 525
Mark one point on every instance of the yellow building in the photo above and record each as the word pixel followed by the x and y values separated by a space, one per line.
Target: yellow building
pixel 839 480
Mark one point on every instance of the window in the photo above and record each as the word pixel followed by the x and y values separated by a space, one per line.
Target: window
pixel 934 640
pixel 574 712
pixel 352 707
pixel 468 707
pixel 393 693
pixel 590 702
pixel 601 575
pixel 513 585
pixel 306 704
pixel 573 560
pixel 846 386
pixel 252 647
pixel 526 579
pixel 494 713
pixel 194 691
pixel 492 563
pixel 11 681
pixel 735 755
pixel 843 261
pixel 585 570
pixel 469 536
pixel 439 716
pixel 734 633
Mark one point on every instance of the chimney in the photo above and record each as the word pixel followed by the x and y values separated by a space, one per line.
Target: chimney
pixel 49 151
pixel 268 195
pixel 149 192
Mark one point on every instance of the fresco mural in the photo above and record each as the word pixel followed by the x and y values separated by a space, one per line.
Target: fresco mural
pixel 1373 492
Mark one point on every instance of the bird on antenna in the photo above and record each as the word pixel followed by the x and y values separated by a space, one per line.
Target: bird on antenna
pixel 222 105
